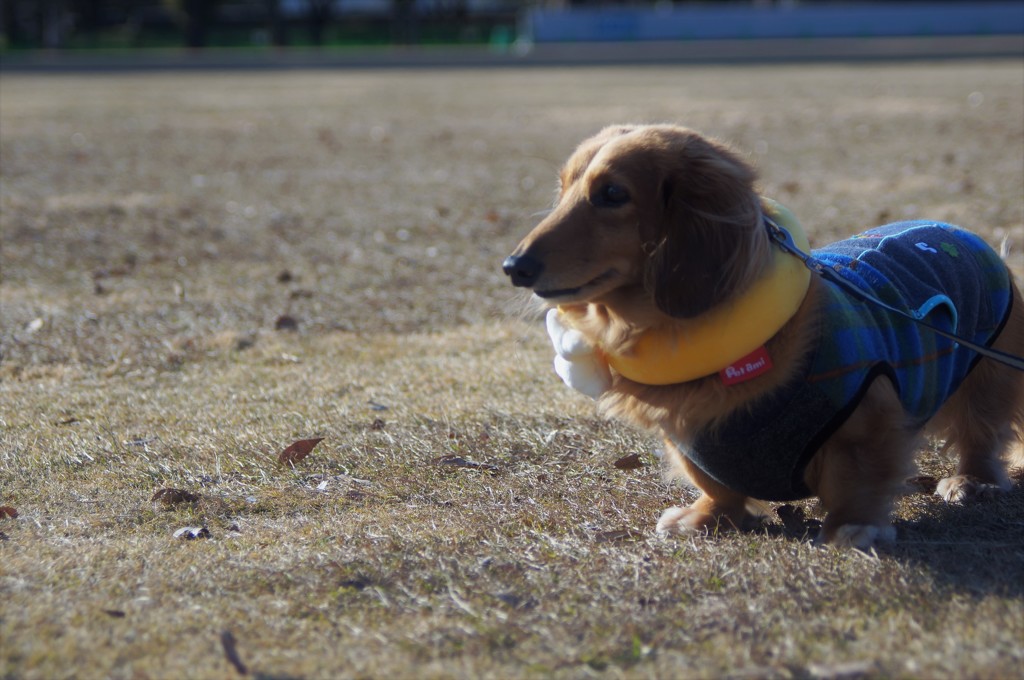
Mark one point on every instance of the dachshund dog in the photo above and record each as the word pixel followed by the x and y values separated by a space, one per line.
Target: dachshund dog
pixel 768 383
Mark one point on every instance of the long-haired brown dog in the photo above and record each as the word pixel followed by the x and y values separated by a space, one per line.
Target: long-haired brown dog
pixel 654 228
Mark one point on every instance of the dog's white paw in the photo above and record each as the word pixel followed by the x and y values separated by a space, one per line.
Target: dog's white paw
pixel 964 488
pixel 673 522
pixel 862 536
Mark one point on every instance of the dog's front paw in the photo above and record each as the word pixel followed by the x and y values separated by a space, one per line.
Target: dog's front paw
pixel 859 536
pixel 679 521
pixel 964 488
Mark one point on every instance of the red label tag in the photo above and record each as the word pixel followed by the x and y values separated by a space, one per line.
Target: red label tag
pixel 750 366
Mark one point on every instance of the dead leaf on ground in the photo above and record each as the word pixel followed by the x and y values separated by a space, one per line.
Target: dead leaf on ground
pixel 460 462
pixel 286 323
pixel 795 521
pixel 7 511
pixel 168 496
pixel 228 642
pixel 629 462
pixel 298 450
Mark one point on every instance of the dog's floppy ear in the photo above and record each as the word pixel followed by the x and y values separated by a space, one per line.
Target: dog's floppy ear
pixel 704 247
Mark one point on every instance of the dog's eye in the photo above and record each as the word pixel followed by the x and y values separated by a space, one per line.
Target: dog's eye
pixel 611 196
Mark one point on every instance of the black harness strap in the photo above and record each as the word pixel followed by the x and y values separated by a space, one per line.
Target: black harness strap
pixel 785 241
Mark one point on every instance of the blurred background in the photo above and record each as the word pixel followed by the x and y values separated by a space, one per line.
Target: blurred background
pixel 512 25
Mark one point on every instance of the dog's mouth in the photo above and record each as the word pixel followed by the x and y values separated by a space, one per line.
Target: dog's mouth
pixel 579 293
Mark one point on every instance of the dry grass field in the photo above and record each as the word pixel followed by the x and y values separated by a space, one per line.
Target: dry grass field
pixel 199 270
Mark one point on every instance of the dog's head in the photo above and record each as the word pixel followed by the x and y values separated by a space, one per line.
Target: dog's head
pixel 657 212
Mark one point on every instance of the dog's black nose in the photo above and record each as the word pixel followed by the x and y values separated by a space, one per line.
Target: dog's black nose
pixel 523 270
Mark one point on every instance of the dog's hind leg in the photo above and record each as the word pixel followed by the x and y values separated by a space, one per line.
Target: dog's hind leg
pixel 862 468
pixel 718 508
pixel 984 420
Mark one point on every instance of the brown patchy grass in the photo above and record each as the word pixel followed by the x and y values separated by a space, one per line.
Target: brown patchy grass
pixel 463 516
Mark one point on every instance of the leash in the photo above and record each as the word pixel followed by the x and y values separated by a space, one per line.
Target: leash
pixel 785 241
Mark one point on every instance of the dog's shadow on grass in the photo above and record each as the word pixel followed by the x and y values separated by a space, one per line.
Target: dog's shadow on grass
pixel 976 548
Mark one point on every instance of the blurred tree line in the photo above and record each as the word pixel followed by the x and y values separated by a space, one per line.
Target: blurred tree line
pixel 54 24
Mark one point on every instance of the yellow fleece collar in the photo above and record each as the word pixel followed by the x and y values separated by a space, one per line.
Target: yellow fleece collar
pixel 722 336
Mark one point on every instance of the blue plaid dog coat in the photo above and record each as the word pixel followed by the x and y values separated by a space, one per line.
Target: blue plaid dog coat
pixel 931 270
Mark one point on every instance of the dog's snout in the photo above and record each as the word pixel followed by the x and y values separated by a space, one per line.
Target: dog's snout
pixel 524 270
